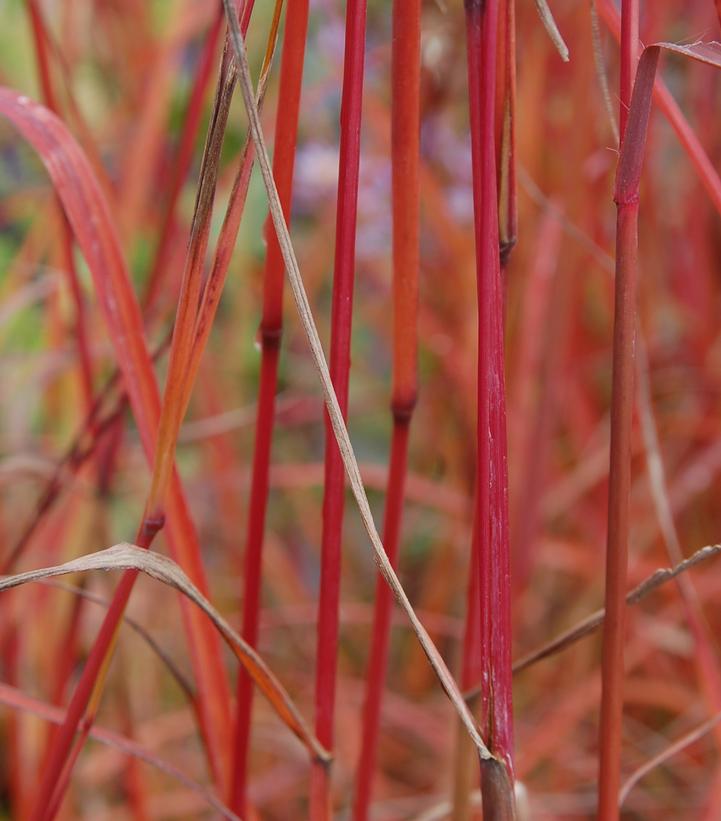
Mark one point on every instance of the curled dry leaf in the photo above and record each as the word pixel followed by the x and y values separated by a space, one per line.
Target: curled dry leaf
pixel 129 557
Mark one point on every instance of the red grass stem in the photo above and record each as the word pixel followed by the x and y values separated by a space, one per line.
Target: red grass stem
pixel 271 327
pixel 405 159
pixel 628 176
pixel 491 492
pixel 619 486
pixel 629 57
pixel 383 611
pixel 624 341
pixel 341 317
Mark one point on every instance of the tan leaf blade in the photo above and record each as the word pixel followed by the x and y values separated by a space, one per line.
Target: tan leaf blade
pixel 544 12
pixel 129 557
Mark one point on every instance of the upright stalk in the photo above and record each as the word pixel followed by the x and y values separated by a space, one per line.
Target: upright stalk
pixel 271 327
pixel 629 57
pixel 624 338
pixel 505 142
pixel 491 511
pixel 619 486
pixel 334 477
pixel 405 148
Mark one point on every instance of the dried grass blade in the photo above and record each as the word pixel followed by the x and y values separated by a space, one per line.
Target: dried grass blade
pixel 129 557
pixel 591 623
pixel 549 23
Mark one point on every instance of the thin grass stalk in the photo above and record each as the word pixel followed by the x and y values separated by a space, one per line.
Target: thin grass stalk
pixel 618 504
pixel 176 390
pixel 626 195
pixel 405 147
pixel 624 341
pixel 491 491
pixel 213 284
pixel 341 317
pixel 183 158
pixel 200 296
pixel 629 57
pixel 707 668
pixel 505 126
pixel 271 328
